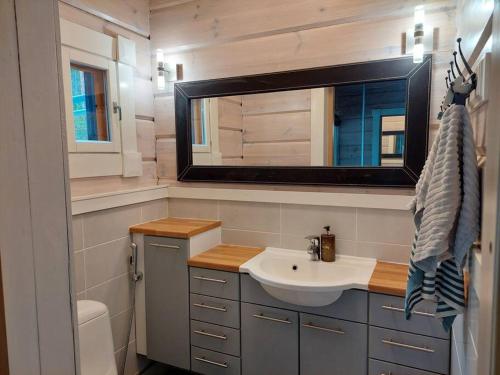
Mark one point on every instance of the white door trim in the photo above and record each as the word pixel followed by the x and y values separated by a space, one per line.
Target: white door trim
pixel 35 237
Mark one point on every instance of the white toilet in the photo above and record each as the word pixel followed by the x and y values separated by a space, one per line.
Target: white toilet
pixel 96 342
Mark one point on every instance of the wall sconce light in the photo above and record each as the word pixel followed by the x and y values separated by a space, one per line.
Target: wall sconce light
pixel 166 72
pixel 418 35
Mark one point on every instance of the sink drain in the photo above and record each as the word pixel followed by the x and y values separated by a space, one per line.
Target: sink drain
pixel 294 267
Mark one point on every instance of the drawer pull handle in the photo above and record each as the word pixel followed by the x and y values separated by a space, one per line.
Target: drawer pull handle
pixel 203 359
pixel 262 316
pixel 401 345
pixel 175 247
pixel 399 309
pixel 203 306
pixel 203 333
pixel 337 331
pixel 203 278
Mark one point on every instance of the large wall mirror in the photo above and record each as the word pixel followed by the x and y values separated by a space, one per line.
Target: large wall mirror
pixel 360 124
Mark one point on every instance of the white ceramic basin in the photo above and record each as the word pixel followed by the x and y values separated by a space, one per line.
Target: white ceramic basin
pixel 290 276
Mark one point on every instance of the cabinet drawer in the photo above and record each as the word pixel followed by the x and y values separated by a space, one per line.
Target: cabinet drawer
pixel 388 312
pixel 214 337
pixel 352 304
pixel 269 341
pixel 423 352
pixel 215 310
pixel 384 368
pixel 207 362
pixel 215 283
pixel 327 344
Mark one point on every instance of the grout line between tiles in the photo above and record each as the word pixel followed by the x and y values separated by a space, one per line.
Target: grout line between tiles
pixel 105 243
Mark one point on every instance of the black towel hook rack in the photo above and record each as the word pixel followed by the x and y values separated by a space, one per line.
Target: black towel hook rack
pixel 459 87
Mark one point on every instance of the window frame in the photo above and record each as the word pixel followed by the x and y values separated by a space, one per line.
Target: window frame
pixel 116 55
pixel 74 56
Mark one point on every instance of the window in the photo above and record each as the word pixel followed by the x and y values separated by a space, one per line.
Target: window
pixel 90 115
pixel 98 79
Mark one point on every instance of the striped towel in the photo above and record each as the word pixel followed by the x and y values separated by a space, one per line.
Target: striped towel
pixel 446 215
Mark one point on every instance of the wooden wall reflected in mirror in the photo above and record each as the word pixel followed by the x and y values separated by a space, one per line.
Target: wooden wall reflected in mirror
pixel 359 124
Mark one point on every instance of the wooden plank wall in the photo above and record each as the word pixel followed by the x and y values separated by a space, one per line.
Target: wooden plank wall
pixel 230 129
pixel 214 39
pixel 135 13
pixel 277 128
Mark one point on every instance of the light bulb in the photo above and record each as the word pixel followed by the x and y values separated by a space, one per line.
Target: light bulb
pixel 418 53
pixel 160 81
pixel 419 15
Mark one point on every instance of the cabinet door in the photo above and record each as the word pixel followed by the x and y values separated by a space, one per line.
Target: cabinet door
pixel 332 347
pixel 167 300
pixel 269 341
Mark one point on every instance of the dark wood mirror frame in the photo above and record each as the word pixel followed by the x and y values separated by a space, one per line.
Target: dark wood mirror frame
pixel 418 78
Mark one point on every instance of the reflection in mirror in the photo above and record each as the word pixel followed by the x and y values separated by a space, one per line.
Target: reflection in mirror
pixel 359 125
pixel 359 113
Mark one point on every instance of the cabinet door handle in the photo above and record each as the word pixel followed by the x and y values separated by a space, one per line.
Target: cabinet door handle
pixel 203 306
pixel 203 333
pixel 400 309
pixel 203 359
pixel 401 345
pixel 312 326
pixel 203 278
pixel 262 316
pixel 175 247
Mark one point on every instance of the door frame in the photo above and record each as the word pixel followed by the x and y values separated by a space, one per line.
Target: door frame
pixel 35 231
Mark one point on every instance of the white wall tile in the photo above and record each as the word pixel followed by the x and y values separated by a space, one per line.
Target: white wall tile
pixel 307 220
pixel 154 210
pixel 115 294
pixel 385 226
pixel 77 232
pixel 383 251
pixel 106 261
pixel 107 225
pixel 263 217
pixel 79 267
pixel 248 238
pixel 193 208
pixel 120 326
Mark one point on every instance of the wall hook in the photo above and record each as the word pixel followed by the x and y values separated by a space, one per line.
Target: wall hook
pixel 447 85
pixel 467 66
pixel 453 71
pixel 456 64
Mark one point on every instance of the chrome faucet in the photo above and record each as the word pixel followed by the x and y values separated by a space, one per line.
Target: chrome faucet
pixel 314 247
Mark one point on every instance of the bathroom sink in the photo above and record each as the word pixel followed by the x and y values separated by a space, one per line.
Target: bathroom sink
pixel 290 276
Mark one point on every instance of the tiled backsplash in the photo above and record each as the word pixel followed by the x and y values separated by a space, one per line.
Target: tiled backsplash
pixel 377 233
pixel 101 244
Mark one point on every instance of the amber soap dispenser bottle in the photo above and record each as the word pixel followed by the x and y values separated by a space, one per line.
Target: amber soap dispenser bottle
pixel 327 245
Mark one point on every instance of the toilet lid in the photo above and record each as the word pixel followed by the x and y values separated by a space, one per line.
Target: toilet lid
pixel 88 310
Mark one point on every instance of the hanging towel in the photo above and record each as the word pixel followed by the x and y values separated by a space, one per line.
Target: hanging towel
pixel 446 216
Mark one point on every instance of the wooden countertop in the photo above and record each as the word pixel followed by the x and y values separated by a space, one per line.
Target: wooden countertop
pixel 175 227
pixel 224 257
pixel 389 278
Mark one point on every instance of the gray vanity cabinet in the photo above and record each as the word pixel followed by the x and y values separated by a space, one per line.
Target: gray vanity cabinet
pixel 167 300
pixel 269 340
pixel 332 346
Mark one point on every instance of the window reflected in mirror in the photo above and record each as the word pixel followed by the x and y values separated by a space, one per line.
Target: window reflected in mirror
pixel 199 121
pixel 357 125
